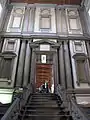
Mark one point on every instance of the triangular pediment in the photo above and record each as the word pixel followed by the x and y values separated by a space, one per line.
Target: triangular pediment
pixel 37 43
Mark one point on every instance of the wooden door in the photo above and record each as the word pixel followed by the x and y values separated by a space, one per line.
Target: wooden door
pixel 43 73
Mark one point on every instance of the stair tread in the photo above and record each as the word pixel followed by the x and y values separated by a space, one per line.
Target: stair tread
pixel 49 111
pixel 42 102
pixel 46 113
pixel 1 113
pixel 42 109
pixel 43 105
pixel 52 115
pixel 43 112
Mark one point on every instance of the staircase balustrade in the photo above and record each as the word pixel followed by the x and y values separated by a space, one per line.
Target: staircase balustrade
pixel 66 98
pixel 14 110
pixel 60 91
pixel 76 112
pixel 26 93
pixel 74 109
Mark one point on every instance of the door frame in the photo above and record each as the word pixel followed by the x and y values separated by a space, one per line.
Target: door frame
pixel 36 50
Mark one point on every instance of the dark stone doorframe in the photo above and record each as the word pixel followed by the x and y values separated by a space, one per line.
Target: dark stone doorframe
pixel 55 69
pixel 54 46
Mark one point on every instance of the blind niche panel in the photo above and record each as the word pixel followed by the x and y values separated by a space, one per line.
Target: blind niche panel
pixel 16 22
pixel 45 23
pixel 73 24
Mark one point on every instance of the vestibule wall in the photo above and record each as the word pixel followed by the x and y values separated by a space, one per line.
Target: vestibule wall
pixel 22 53
pixel 28 27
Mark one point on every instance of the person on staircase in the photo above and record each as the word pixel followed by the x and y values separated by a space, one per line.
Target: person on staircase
pixel 46 87
pixel 42 88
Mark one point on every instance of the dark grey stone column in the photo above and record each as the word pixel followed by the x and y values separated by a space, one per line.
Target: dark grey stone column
pixel 67 66
pixel 21 64
pixel 88 62
pixel 27 65
pixel 55 63
pixel 61 66
pixel 88 48
pixel 33 69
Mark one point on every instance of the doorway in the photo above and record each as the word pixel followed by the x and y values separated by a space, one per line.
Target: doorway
pixel 44 70
pixel 43 74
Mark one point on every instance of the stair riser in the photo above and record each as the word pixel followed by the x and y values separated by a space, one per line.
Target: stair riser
pixel 35 99
pixel 45 112
pixel 44 107
pixel 42 102
pixel 43 98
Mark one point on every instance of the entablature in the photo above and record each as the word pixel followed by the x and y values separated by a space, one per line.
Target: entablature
pixel 44 36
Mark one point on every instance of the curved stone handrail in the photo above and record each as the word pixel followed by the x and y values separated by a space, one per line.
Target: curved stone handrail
pixel 14 110
pixel 74 109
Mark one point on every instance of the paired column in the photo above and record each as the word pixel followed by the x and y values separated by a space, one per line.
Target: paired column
pixel 88 62
pixel 21 64
pixel 27 65
pixel 33 69
pixel 55 65
pixel 61 65
pixel 67 66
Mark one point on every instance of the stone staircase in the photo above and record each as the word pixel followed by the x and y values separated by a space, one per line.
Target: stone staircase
pixel 86 111
pixel 42 106
pixel 3 109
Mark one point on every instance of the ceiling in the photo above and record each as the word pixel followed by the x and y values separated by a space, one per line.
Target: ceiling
pixel 60 2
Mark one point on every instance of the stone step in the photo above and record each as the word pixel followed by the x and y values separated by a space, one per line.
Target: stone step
pixel 39 109
pixel 42 105
pixel 44 113
pixel 42 102
pixel 47 117
pixel 3 109
pixel 86 110
pixel 44 94
pixel 1 115
pixel 44 98
pixel 43 110
pixel 35 99
pixel 54 98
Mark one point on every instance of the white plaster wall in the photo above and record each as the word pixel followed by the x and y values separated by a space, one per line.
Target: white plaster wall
pixel 82 85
